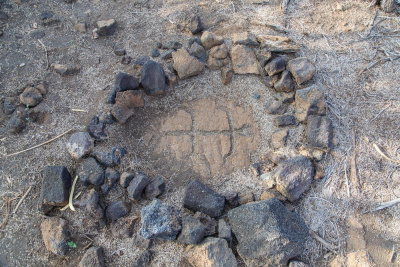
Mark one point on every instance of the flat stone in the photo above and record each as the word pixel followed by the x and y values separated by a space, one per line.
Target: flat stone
pixel 209 39
pixel 90 172
pixel 193 231
pixel 244 60
pixel 225 231
pixel 125 104
pixel 319 132
pixel 105 27
pixel 293 177
pixel 277 44
pixel 160 221
pixel 219 51
pixel 186 65
pixel 255 223
pixel 155 188
pixel 309 101
pixel 55 235
pixel 226 75
pixel 199 197
pixel 285 83
pixel 65 70
pixel 137 186
pixel 93 257
pixel 55 186
pixel 97 129
pixel 80 144
pixel 117 209
pixel 278 138
pixel 30 97
pixel 126 178
pixel 211 252
pixel 198 52
pixel 285 120
pixel 244 38
pixel 302 69
pixel 153 78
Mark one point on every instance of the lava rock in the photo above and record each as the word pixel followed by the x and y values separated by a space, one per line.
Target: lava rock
pixel 125 104
pixel 285 120
pixel 155 188
pixel 153 78
pixel 90 172
pixel 117 209
pixel 285 83
pixel 141 60
pixel 302 69
pixel 105 28
pixel 199 197
pixel 309 101
pixel 198 52
pixel 126 60
pixel 219 51
pixel 257 222
pixel 244 38
pixel 111 177
pixel 30 97
pixel 193 40
pixel 232 199
pixel 65 70
pixel 16 124
pixel 211 252
pixel 137 186
pixel 186 65
pixel 155 53
pixel 91 203
pixel 278 138
pixel 119 51
pixel 224 231
pixel 275 107
pixel 226 75
pixel 97 129
pixel 193 231
pixel 275 66
pixel 319 132
pixel 55 235
pixel 209 39
pixel 48 18
pixel 160 221
pixel 175 45
pixel 55 187
pixel 93 257
pixel 194 24
pixel 8 105
pixel 80 144
pixel 269 81
pixel 209 223
pixel 244 60
pixel 126 178
pixel 123 82
pixel 108 159
pixel 167 54
pixel 293 177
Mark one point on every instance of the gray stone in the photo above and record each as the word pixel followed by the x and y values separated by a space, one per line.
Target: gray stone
pixel 153 78
pixel 218 52
pixel 293 177
pixel 302 69
pixel 186 65
pixel 8 105
pixel 16 124
pixel 55 235
pixel 209 222
pixel 275 66
pixel 97 129
pixel 119 50
pixel 285 120
pixel 91 204
pixel 232 199
pixel 213 252
pixel 193 231
pixel 198 51
pixel 155 52
pixel 65 70
pixel 193 24
pixel 209 39
pixel 160 221
pixel 285 83
pixel 275 107
pixel 244 60
pixel 90 172
pixel 199 197
pixel 110 159
pixel 137 186
pixel 55 187
pixel 105 28
pixel 167 54
pixel 155 188
pixel 30 97
pixel 319 132
pixel 111 177
pixel 143 260
pixel 174 45
pixel 224 231
pixel 309 101
pixel 244 38
pixel 93 257
pixel 126 178
pixel 80 144
pixel 278 138
pixel 267 233
pixel 117 209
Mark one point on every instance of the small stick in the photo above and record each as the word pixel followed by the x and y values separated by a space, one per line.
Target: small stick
pixel 384 156
pixel 78 110
pixel 39 145
pixel 323 242
pixel 47 56
pixel 22 199
pixel 347 181
pixel 385 205
pixel 353 166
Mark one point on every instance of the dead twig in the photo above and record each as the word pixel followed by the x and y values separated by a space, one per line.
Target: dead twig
pixel 22 199
pixel 39 145
pixel 325 243
pixel 385 205
pixel 47 54
pixel 353 166
pixel 372 24
pixel 384 155
pixel 71 196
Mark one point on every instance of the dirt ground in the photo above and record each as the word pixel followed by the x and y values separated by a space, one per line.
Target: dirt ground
pixel 356 50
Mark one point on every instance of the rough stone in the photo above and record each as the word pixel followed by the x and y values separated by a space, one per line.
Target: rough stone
pixel 91 204
pixel 225 231
pixel 211 252
pixel 155 188
pixel 65 70
pixel 172 78
pixel 193 24
pixel 219 51
pixel 110 159
pixel 293 177
pixel 226 75
pixel 209 39
pixel 198 52
pixel 167 54
pixel 123 227
pixel 186 65
pixel 269 81
pixel 256 222
pixel 174 45
pixel 275 107
pixel 16 124
pixel 245 197
pixel 93 257
pixel 302 69
pixel 126 60
pixel 97 129
pixel 55 187
pixel 90 172
pixel 268 180
pixel 319 132
pixel 160 221
pixel 137 186
pixel 140 242
pixel 8 105
pixel 209 223
pixel 193 40
pixel 285 120
pixel 126 178
pixel 125 104
pixel 55 235
pixel 153 78
pixel 30 97
pixel 140 61
pixel 80 27
pixel 215 63
pixel 244 38
pixel 275 66
pixel 105 28
pixel 278 138
pixel 193 231
pixel 309 101
pixel 80 144
pixel 117 209
pixel 111 177
pixel 119 50
pixel 232 199
pixel 155 52
pixel 244 60
pixel 124 82
pixel 285 83
pixel 199 197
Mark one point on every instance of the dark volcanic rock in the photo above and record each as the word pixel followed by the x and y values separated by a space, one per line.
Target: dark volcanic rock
pixel 110 159
pixel 285 83
pixel 302 69
pixel 175 45
pixel 199 197
pixel 119 50
pixel 155 188
pixel 153 78
pixel 198 52
pixel 167 54
pixel 55 235
pixel 309 101
pixel 293 177
pixel 193 231
pixel 319 132
pixel 80 144
pixel 30 97
pixel 209 223
pixel 8 105
pixel 123 227
pixel 160 221
pixel 275 66
pixel 93 257
pixel 126 178
pixel 16 124
pixel 105 27
pixel 126 60
pixel 90 172
pixel 155 53
pixel 257 222
pixel 193 24
pixel 137 185
pixel 97 129
pixel 275 107
pixel 55 186
pixel 209 39
pixel 111 177
pixel 285 120
pixel 117 209
pixel 124 82
pixel 125 104
pixel 141 60
pixel 224 231
pixel 91 204
pixel 232 199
